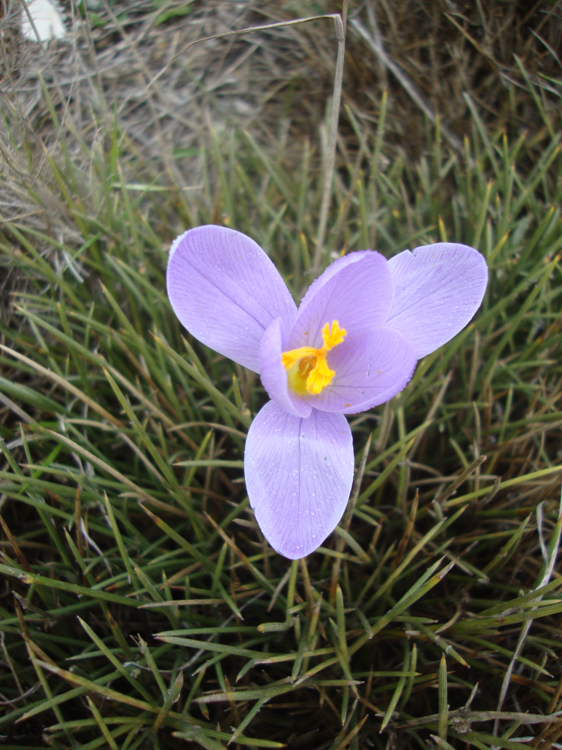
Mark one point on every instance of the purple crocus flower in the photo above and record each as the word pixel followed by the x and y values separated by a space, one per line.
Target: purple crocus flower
pixel 352 344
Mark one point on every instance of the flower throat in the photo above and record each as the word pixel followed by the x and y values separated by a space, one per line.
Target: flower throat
pixel 307 368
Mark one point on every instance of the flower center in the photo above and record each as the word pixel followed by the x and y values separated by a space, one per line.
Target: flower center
pixel 307 368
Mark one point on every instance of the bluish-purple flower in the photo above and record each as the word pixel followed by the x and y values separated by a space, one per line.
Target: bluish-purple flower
pixel 352 344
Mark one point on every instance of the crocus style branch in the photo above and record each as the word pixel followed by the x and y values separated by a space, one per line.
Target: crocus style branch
pixel 352 344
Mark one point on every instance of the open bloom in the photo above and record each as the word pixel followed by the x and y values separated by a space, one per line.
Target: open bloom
pixel 352 344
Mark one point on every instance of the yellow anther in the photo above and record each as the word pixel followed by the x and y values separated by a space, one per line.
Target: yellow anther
pixel 307 368
pixel 320 376
pixel 332 336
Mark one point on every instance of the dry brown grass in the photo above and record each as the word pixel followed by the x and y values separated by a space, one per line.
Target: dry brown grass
pixel 282 78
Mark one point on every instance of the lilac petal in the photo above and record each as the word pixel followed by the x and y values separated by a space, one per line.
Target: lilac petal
pixel 437 290
pixel 299 474
pixel 369 369
pixel 274 376
pixel 226 291
pixel 355 290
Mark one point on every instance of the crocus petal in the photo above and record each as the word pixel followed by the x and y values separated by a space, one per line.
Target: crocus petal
pixel 274 376
pixel 355 290
pixel 299 474
pixel 226 291
pixel 369 369
pixel 437 290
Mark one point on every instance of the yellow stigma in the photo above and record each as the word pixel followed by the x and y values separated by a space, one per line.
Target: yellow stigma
pixel 307 368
